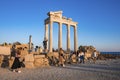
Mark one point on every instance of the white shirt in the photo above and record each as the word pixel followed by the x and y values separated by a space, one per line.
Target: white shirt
pixel 81 54
pixel 95 55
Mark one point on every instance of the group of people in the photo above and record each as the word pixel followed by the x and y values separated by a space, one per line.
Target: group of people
pixel 80 57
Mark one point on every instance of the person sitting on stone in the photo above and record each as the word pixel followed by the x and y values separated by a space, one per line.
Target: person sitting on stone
pixel 61 57
pixel 94 56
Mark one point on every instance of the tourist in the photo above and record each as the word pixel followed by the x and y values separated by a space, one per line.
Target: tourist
pixel 61 58
pixel 17 63
pixel 94 56
pixel 81 57
pixel 45 44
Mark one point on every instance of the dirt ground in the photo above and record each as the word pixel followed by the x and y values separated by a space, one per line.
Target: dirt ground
pixel 102 70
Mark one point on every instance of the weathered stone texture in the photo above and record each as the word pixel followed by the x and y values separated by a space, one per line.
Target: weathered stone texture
pixel 29 58
pixel 4 50
pixel 11 62
pixel 1 59
pixel 40 60
pixel 29 64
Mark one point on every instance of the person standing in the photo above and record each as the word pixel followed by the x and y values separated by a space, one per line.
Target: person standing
pixel 45 44
pixel 16 64
pixel 81 57
pixel 94 56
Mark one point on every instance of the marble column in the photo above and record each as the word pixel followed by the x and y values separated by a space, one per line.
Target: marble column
pixel 60 36
pixel 68 37
pixel 30 43
pixel 46 32
pixel 75 39
pixel 51 36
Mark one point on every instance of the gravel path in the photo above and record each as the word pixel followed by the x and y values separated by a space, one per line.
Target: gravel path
pixel 102 70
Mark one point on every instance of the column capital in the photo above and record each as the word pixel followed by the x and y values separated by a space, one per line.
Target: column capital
pixel 75 26
pixel 46 23
pixel 51 21
pixel 68 25
pixel 60 23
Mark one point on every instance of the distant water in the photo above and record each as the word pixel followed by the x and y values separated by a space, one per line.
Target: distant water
pixel 113 53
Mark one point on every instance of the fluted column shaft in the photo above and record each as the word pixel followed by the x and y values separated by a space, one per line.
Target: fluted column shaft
pixel 30 43
pixel 68 37
pixel 51 36
pixel 46 32
pixel 75 39
pixel 60 36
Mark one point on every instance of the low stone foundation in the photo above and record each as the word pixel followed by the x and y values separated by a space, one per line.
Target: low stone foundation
pixel 32 61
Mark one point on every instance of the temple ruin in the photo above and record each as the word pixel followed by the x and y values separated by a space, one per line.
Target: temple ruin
pixel 58 18
pixel 37 58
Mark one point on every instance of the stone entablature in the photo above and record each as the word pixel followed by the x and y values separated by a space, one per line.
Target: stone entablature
pixel 57 17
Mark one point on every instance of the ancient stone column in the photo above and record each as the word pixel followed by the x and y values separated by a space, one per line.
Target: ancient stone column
pixel 51 36
pixel 60 36
pixel 75 39
pixel 68 37
pixel 46 32
pixel 30 43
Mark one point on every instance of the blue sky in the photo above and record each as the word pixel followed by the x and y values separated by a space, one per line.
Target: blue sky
pixel 98 21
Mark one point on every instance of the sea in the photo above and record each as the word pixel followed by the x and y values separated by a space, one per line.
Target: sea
pixel 113 53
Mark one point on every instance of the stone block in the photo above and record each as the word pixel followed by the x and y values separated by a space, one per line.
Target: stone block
pixel 36 53
pixel 29 58
pixel 11 62
pixel 5 50
pixel 1 59
pixel 29 64
pixel 39 56
pixel 39 62
pixel 23 52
